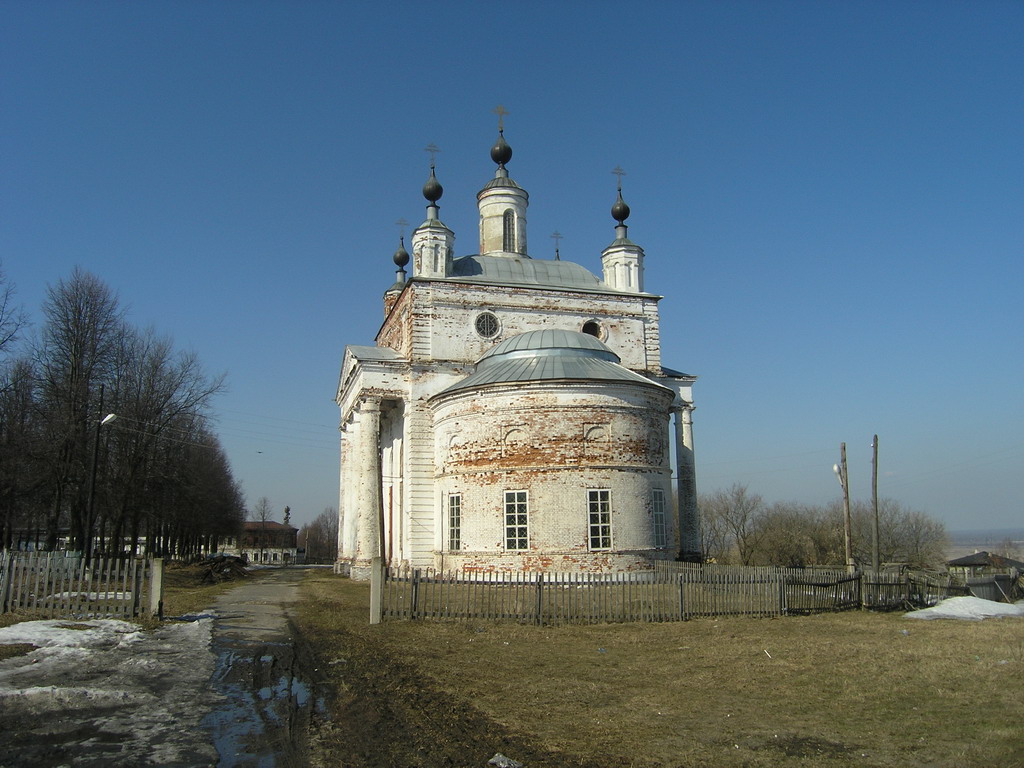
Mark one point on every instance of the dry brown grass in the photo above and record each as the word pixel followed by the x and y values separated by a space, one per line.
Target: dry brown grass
pixel 843 689
pixel 185 593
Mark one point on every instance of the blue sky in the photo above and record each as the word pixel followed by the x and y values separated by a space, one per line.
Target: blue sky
pixel 830 196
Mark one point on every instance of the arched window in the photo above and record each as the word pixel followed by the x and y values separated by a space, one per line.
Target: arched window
pixel 508 231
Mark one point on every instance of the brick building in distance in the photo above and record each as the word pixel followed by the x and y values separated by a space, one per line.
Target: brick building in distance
pixel 267 542
pixel 514 413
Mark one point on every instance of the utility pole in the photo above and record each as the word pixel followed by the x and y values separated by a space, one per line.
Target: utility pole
pixel 874 503
pixel 840 470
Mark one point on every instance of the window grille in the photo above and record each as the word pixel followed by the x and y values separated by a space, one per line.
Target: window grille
pixel 516 527
pixel 454 522
pixel 508 231
pixel 658 512
pixel 487 325
pixel 600 509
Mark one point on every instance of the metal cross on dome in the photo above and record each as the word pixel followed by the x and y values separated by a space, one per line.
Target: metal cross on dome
pixel 500 111
pixel 433 149
pixel 617 171
pixel 557 237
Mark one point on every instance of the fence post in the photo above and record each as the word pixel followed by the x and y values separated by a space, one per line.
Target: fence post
pixel 138 568
pixel 156 588
pixel 682 599
pixel 376 590
pixel 414 597
pixel 540 597
pixel 6 572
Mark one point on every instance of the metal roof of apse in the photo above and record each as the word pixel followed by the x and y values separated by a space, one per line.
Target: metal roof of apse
pixel 552 338
pixel 519 270
pixel 549 355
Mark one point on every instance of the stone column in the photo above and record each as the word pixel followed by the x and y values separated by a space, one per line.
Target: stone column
pixel 689 516
pixel 365 476
pixel 346 525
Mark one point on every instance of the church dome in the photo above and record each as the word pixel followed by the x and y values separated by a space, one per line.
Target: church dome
pixel 534 343
pixel 433 190
pixel 549 355
pixel 501 152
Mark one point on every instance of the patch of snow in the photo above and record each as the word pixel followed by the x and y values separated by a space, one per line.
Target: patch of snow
pixel 59 637
pixel 969 608
pixel 147 692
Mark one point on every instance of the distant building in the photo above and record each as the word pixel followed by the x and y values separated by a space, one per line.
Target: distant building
pixel 269 543
pixel 982 563
pixel 515 413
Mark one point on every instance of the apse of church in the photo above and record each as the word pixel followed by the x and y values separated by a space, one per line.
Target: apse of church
pixel 514 413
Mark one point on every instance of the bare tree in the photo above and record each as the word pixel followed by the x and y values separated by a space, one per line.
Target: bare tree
pixel 160 397
pixel 798 535
pixel 320 537
pixel 83 324
pixel 22 471
pixel 12 317
pixel 156 472
pixel 730 518
pixel 262 513
pixel 905 536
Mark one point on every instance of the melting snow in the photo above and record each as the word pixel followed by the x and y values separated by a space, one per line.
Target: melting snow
pixel 971 608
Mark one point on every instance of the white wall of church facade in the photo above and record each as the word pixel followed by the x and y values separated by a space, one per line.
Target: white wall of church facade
pixel 443 315
pixel 558 443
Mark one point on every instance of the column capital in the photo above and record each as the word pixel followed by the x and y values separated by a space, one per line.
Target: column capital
pixel 369 404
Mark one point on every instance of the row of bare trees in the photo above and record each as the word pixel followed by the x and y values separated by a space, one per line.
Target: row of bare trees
pixel 320 537
pixel 739 527
pixel 154 473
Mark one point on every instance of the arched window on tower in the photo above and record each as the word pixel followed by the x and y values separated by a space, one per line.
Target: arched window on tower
pixel 508 231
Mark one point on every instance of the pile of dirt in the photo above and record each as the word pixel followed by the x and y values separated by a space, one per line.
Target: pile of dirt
pixel 214 570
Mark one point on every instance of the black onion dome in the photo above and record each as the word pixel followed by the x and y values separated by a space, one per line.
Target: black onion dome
pixel 401 256
pixel 433 190
pixel 501 152
pixel 620 211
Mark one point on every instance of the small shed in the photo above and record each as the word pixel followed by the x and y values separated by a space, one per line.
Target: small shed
pixel 982 563
pixel 992 577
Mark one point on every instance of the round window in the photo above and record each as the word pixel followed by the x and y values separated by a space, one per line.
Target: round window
pixel 487 325
pixel 593 328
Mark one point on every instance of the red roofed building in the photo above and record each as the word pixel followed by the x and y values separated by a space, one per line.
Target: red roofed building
pixel 268 542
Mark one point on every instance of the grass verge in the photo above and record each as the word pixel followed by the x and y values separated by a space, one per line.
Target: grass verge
pixel 832 690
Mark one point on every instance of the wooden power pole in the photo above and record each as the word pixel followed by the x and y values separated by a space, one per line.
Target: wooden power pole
pixel 847 524
pixel 874 503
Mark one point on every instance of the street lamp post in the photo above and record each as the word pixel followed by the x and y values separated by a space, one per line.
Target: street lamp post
pixel 89 516
pixel 840 470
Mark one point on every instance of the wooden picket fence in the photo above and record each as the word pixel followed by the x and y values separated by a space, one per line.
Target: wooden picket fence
pixel 670 592
pixel 58 585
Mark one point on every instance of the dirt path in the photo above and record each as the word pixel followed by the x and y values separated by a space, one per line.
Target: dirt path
pixel 266 703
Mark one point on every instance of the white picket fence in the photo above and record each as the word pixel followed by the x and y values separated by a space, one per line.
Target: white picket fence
pixel 57 585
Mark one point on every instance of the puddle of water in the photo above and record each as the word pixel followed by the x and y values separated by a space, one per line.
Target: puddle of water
pixel 265 710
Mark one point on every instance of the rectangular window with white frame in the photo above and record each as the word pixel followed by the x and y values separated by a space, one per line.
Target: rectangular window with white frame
pixel 599 507
pixel 517 533
pixel 454 522
pixel 658 513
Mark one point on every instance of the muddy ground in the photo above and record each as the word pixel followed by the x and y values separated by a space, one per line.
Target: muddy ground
pixel 235 688
pixel 384 715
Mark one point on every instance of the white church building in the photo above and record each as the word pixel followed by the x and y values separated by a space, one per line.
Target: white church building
pixel 514 413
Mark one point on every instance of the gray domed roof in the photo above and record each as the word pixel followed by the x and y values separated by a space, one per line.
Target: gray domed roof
pixel 532 342
pixel 549 355
pixel 519 270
